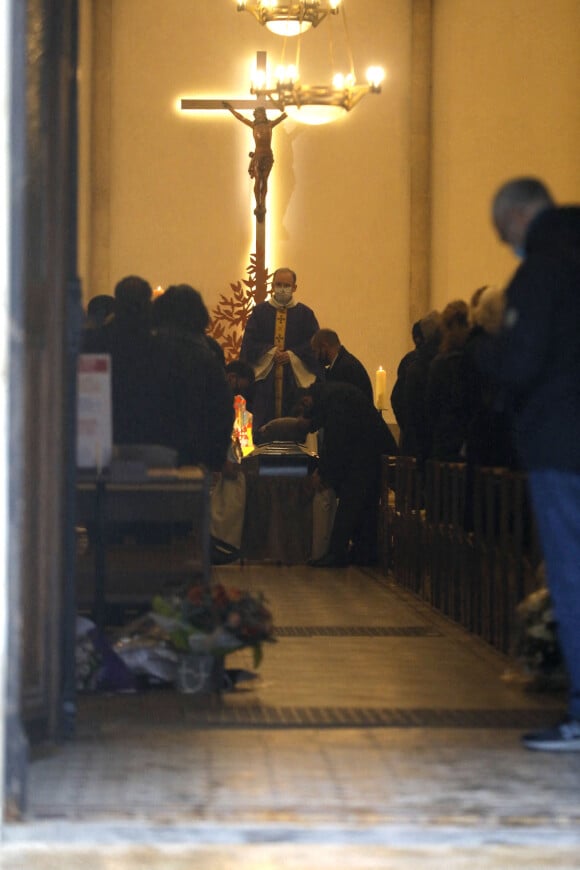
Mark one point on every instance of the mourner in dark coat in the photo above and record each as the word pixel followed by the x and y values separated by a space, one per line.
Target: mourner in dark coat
pixel 446 397
pixel 398 392
pixel 194 413
pixel 536 359
pixel 339 364
pixel 415 436
pixel 127 337
pixel 355 436
pixel 488 442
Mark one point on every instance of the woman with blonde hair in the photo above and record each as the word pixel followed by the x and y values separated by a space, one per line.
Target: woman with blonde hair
pixel 447 400
pixel 488 436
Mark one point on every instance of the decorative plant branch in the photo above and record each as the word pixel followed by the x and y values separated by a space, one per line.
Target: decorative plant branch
pixel 229 317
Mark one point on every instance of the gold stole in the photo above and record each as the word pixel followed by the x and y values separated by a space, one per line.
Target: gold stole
pixel 279 341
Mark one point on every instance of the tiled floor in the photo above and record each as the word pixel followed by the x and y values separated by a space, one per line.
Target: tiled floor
pixel 443 782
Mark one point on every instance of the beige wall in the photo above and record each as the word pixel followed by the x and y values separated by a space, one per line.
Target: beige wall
pixel 181 199
pixel 505 100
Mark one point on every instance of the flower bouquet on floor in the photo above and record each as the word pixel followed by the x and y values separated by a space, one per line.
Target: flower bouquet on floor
pixel 215 621
pixel 97 665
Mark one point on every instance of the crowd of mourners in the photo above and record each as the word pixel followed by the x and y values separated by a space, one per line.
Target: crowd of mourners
pixel 446 407
pixel 171 387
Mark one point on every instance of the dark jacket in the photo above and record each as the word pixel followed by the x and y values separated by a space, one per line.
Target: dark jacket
pixel 488 440
pixel 194 411
pixel 416 435
pixel 536 357
pixel 398 393
pixel 447 407
pixel 130 345
pixel 354 433
pixel 347 368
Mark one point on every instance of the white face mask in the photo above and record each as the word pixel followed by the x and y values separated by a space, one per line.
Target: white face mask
pixel 282 293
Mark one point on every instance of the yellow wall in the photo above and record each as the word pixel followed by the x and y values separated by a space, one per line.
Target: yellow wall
pixel 505 101
pixel 84 152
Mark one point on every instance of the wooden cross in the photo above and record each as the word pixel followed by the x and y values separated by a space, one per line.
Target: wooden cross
pixel 261 158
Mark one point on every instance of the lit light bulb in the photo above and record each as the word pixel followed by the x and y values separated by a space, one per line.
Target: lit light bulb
pixel 288 26
pixel 375 76
pixel 258 80
pixel 286 75
pixel 338 81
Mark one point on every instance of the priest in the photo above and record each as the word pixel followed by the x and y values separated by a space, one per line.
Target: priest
pixel 277 344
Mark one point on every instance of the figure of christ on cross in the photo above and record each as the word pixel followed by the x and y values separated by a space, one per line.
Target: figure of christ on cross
pixel 261 158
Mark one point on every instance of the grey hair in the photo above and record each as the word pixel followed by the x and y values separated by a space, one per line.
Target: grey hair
pixel 430 326
pixel 520 193
pixel 490 309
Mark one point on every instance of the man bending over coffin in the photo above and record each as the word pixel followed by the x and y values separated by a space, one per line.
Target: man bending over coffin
pixel 339 364
pixel 355 438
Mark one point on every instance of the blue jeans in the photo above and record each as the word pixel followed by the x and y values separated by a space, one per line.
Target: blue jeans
pixel 556 504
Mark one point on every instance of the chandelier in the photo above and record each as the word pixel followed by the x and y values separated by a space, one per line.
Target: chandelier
pixel 315 104
pixel 289 17
pixel 310 103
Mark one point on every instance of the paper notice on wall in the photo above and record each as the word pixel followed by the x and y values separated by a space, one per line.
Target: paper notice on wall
pixel 94 411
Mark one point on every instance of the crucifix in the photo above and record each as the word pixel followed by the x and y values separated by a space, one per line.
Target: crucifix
pixel 261 158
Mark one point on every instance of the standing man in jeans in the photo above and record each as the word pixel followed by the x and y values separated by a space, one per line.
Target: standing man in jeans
pixel 536 358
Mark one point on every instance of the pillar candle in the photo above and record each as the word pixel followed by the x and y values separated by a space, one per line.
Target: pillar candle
pixel 381 388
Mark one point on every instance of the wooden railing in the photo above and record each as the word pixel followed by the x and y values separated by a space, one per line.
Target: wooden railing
pixel 462 539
